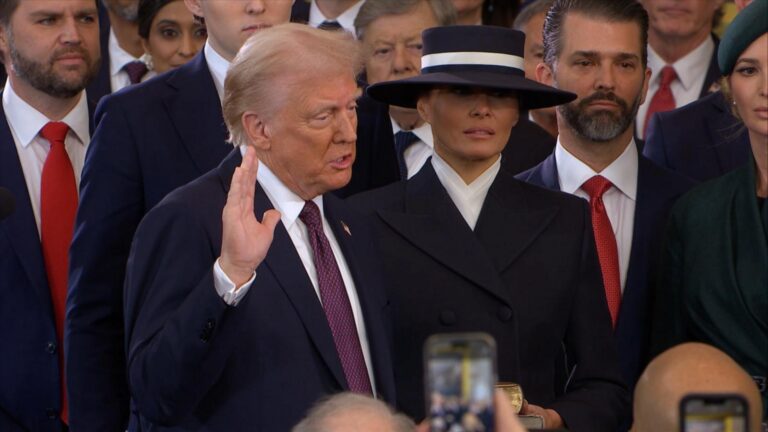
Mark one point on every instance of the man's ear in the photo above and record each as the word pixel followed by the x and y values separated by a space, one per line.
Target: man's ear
pixel 646 83
pixel 195 7
pixel 544 74
pixel 3 43
pixel 256 130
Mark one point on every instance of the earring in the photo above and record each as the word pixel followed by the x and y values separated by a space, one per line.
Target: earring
pixel 147 59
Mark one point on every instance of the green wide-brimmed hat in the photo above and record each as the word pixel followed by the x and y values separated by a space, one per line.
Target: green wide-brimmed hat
pixel 749 24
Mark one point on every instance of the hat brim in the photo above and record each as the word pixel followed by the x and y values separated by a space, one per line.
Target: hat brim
pixel 406 92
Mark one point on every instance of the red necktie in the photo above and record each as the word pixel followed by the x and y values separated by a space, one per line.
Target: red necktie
pixel 58 203
pixel 663 99
pixel 338 310
pixel 605 241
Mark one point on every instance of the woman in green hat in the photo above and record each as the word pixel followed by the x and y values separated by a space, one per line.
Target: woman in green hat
pixel 714 283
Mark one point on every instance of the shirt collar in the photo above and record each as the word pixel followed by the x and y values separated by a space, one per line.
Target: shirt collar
pixel 688 67
pixel 452 180
pixel 423 132
pixel 346 19
pixel 218 66
pixel 622 172
pixel 118 57
pixel 283 199
pixel 26 121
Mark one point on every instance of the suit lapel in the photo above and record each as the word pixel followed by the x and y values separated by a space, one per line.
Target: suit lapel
pixel 284 263
pixel 713 73
pixel 20 227
pixel 508 224
pixel 195 110
pixel 433 224
pixel 349 234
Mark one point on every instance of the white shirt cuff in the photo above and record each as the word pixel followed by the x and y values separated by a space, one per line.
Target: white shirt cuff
pixel 227 289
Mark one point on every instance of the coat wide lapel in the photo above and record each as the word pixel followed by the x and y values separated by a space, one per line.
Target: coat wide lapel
pixel 433 224
pixel 507 225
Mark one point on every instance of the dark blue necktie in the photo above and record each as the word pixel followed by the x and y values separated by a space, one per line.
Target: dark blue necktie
pixel 403 140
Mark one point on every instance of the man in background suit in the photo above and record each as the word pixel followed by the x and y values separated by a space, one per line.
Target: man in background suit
pixel 51 51
pixel 597 50
pixel 121 48
pixel 149 140
pixel 682 55
pixel 327 14
pixel 530 21
pixel 701 140
pixel 233 324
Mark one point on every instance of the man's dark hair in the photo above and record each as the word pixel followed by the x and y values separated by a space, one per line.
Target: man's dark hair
pixel 609 10
pixel 7 8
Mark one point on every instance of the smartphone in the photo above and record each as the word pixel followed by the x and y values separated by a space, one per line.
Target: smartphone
pixel 460 375
pixel 714 413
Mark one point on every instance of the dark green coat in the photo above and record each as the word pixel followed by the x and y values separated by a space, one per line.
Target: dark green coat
pixel 714 278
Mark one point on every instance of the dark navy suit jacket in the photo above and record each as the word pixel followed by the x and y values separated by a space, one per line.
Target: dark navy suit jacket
pixel 657 190
pixel 102 83
pixel 29 368
pixel 527 275
pixel 151 138
pixel 701 140
pixel 197 364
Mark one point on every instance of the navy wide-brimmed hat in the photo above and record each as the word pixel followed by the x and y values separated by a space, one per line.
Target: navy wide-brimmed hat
pixel 472 56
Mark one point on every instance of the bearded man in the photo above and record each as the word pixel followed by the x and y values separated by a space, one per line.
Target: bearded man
pixel 597 49
pixel 51 52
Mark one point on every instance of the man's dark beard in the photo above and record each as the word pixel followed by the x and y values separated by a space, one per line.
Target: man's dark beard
pixel 602 125
pixel 42 76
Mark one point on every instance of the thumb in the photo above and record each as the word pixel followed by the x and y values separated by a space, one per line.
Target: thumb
pixel 270 219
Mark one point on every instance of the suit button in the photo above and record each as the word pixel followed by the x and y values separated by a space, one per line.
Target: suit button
pixel 447 317
pixel 51 413
pixel 205 334
pixel 504 313
pixel 50 348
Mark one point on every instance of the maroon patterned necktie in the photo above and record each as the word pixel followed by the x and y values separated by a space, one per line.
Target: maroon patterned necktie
pixel 136 71
pixel 333 295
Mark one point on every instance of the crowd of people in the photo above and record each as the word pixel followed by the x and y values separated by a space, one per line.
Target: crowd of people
pixel 230 215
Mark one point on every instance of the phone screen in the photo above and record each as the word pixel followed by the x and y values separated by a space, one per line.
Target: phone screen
pixel 460 383
pixel 712 413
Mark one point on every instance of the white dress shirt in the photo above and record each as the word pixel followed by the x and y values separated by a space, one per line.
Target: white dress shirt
pixel 118 58
pixel 290 205
pixel 346 20
pixel 25 123
pixel 468 198
pixel 691 72
pixel 218 66
pixel 417 153
pixel 619 200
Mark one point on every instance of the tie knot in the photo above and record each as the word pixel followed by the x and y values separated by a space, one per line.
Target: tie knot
pixel 136 71
pixel 329 25
pixel 404 139
pixel 668 75
pixel 55 132
pixel 596 186
pixel 310 215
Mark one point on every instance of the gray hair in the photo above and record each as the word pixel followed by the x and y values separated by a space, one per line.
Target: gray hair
pixel 530 11
pixel 372 10
pixel 332 407
pixel 276 52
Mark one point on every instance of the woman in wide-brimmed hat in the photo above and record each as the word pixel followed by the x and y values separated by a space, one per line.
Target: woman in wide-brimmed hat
pixel 467 247
pixel 714 284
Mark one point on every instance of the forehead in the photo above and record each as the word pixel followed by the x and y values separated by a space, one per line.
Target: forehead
pixel 582 33
pixel 533 28
pixel 33 6
pixel 418 18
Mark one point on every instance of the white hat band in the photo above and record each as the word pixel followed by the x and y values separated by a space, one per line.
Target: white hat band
pixel 471 58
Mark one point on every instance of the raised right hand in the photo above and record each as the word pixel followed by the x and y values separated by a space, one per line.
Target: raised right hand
pixel 245 241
